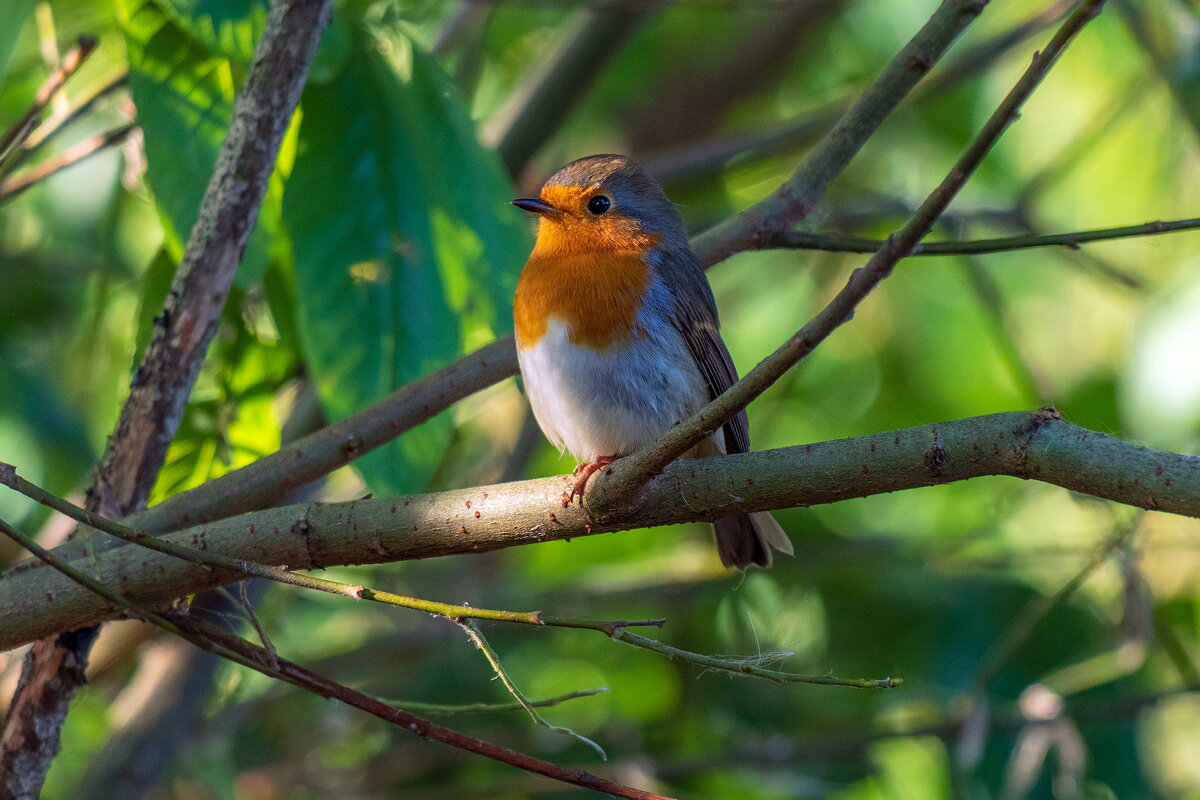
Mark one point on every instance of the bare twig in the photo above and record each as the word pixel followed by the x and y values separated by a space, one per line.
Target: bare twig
pixel 493 659
pixel 632 471
pixel 852 244
pixel 24 126
pixel 491 708
pixel 56 125
pixel 80 151
pixel 256 658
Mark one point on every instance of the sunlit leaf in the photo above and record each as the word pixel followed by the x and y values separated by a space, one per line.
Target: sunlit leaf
pixel 405 250
pixel 13 12
pixel 184 96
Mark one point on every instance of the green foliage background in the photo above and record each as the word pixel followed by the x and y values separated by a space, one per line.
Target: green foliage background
pixel 385 248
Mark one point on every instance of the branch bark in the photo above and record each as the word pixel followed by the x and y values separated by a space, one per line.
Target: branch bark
pixel 160 388
pixel 36 601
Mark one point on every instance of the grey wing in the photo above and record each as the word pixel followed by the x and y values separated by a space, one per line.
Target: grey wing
pixel 696 318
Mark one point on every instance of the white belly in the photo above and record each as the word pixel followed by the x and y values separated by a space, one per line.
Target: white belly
pixel 612 402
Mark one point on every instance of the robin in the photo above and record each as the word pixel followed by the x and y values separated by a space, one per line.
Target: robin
pixel 617 331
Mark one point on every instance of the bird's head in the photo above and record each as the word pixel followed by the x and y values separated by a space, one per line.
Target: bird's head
pixel 603 202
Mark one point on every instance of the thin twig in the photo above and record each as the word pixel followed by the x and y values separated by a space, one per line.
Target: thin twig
pixel 750 666
pixel 493 660
pixel 614 629
pixel 80 151
pixel 834 243
pixel 634 470
pixel 256 658
pixel 24 126
pixel 55 126
pixel 490 708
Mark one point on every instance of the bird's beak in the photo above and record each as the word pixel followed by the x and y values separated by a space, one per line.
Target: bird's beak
pixel 537 206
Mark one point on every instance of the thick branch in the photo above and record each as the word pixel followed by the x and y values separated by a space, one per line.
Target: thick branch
pixel 1039 446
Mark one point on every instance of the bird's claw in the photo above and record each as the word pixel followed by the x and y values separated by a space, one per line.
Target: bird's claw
pixel 582 473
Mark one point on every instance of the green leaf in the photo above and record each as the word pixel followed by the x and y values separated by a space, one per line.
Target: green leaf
pixel 404 252
pixel 231 417
pixel 230 28
pixel 13 12
pixel 184 97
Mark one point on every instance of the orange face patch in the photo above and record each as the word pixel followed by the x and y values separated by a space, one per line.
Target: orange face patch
pixel 588 270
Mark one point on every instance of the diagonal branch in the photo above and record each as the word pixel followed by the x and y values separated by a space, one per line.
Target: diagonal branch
pixel 82 150
pixel 793 201
pixel 1034 446
pixel 136 449
pixel 23 127
pixel 632 471
pixel 539 106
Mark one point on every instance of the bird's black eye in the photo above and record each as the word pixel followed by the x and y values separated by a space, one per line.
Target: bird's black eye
pixel 599 204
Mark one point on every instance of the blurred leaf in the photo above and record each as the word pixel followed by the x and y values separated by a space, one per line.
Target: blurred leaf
pixel 231 416
pixel 404 252
pixel 184 97
pixel 230 28
pixel 13 12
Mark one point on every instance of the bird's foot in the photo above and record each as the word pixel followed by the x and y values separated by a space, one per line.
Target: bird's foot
pixel 585 471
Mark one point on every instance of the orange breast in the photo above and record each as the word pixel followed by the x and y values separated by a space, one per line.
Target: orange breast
pixel 595 291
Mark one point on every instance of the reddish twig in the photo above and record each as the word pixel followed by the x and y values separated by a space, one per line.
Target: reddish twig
pixel 80 151
pixel 21 129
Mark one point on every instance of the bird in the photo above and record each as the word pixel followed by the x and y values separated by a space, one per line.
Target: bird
pixel 617 332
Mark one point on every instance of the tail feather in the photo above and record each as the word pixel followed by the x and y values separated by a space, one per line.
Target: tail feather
pixel 747 539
